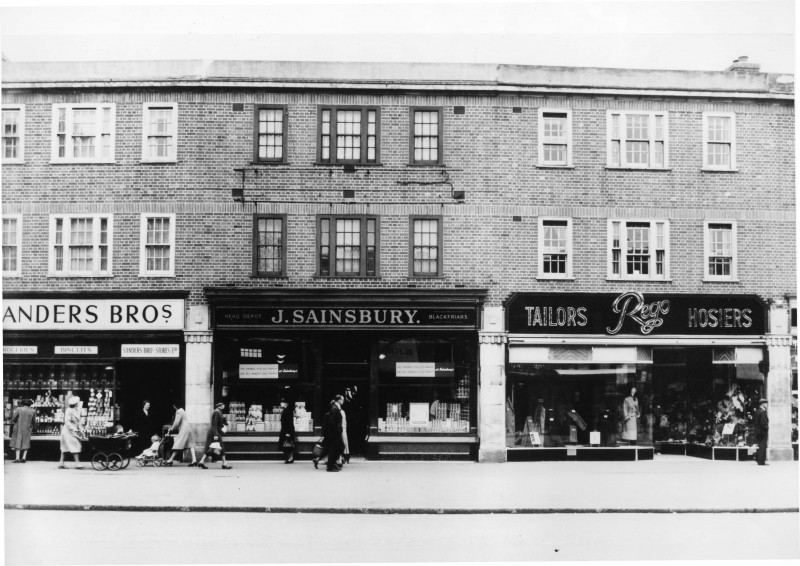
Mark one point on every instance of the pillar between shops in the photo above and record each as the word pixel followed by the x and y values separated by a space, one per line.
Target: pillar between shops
pixel 779 386
pixel 491 414
pixel 199 389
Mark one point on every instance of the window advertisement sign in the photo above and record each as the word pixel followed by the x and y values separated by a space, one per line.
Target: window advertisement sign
pixel 635 313
pixel 267 371
pixel 150 350
pixel 424 369
pixel 88 314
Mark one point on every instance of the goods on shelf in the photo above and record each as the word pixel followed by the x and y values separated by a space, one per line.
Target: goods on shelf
pixel 445 417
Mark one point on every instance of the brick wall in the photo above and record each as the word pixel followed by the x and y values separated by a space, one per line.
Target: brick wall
pixel 490 152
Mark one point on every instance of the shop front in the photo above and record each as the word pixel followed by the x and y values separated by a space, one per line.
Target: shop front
pixel 111 351
pixel 626 376
pixel 405 363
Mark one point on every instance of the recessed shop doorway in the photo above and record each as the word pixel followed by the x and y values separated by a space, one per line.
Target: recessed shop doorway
pixel 159 381
pixel 346 372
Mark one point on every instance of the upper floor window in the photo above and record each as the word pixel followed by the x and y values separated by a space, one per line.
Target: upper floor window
pixel 719 141
pixel 555 138
pixel 271 134
pixel 555 248
pixel 269 245
pixel 426 246
pixel 80 245
pixel 13 133
pixel 160 132
pixel 720 251
pixel 348 135
pixel 638 249
pixel 83 133
pixel 348 246
pixel 157 245
pixel 426 136
pixel 12 243
pixel 637 139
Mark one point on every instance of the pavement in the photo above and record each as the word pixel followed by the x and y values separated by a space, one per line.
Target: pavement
pixel 668 484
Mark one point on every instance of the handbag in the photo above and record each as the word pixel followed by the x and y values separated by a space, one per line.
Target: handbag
pixel 287 442
pixel 223 429
pixel 317 450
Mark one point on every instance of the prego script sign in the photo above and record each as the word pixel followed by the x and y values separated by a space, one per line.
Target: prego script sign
pixel 86 314
pixel 636 313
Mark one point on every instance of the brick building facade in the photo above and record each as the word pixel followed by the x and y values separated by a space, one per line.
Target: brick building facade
pixel 151 184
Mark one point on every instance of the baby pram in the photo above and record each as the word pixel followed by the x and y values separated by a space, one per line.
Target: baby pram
pixel 162 454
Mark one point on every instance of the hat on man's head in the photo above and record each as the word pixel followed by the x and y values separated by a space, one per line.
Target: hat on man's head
pixel 219 405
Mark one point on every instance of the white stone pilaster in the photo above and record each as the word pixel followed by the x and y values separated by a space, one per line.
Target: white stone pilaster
pixel 779 395
pixel 199 387
pixel 491 413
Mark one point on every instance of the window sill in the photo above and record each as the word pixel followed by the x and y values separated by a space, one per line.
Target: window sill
pixel 638 279
pixel 157 275
pixel 80 276
pixel 270 277
pixel 710 170
pixel 653 169
pixel 270 163
pixel 83 162
pixel 345 277
pixel 547 166
pixel 707 280
pixel 340 164
pixel 546 278
pixel 13 162
pixel 12 275
pixel 158 161
pixel 415 278
pixel 441 165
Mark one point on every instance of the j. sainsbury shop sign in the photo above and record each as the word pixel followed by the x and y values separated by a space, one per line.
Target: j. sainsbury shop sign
pixel 87 314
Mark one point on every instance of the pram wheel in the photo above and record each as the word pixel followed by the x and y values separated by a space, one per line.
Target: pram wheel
pixel 140 463
pixel 157 462
pixel 115 461
pixel 126 462
pixel 100 461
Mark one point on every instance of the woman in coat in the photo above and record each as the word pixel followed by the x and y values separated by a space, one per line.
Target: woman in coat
pixel 287 438
pixel 144 426
pixel 71 431
pixel 23 427
pixel 630 412
pixel 214 434
pixel 184 438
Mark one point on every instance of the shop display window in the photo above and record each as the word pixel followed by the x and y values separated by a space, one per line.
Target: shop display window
pixel 554 405
pixel 255 374
pixel 50 386
pixel 425 386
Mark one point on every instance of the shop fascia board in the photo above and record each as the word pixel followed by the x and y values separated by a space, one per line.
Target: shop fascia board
pixel 338 297
pixel 516 340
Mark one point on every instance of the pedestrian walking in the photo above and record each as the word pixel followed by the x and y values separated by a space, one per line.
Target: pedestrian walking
pixel 184 438
pixel 333 435
pixel 22 420
pixel 144 425
pixel 762 432
pixel 71 432
pixel 345 458
pixel 323 442
pixel 287 438
pixel 214 443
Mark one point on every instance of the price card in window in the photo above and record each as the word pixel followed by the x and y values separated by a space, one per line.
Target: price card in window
pixel 728 428
pixel 536 439
pixel 418 414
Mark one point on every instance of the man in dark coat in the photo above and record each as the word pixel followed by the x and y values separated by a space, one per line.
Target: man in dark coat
pixel 333 434
pixel 214 436
pixel 762 432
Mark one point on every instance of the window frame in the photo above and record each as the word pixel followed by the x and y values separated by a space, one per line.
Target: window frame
pixel 541 252
pixel 269 274
pixel 68 142
pixel 18 271
pixel 714 114
pixel 653 256
pixel 21 135
pixel 147 107
pixel 284 133
pixel 143 271
pixel 66 219
pixel 652 139
pixel 734 276
pixel 440 232
pixel 440 157
pixel 333 218
pixel 363 160
pixel 541 162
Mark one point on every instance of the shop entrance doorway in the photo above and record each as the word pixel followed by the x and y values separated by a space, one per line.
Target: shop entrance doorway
pixel 346 371
pixel 160 382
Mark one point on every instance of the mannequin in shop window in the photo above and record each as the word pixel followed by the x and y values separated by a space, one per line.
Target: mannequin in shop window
pixel 630 414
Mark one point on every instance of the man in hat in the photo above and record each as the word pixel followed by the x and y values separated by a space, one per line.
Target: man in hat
pixel 762 432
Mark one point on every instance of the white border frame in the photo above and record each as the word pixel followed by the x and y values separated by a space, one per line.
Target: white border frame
pixel 143 272
pixel 98 107
pixel 651 127
pixel 51 263
pixel 146 107
pixel 540 249
pixel 732 116
pixel 734 276
pixel 540 146
pixel 21 157
pixel 18 271
pixel 623 241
